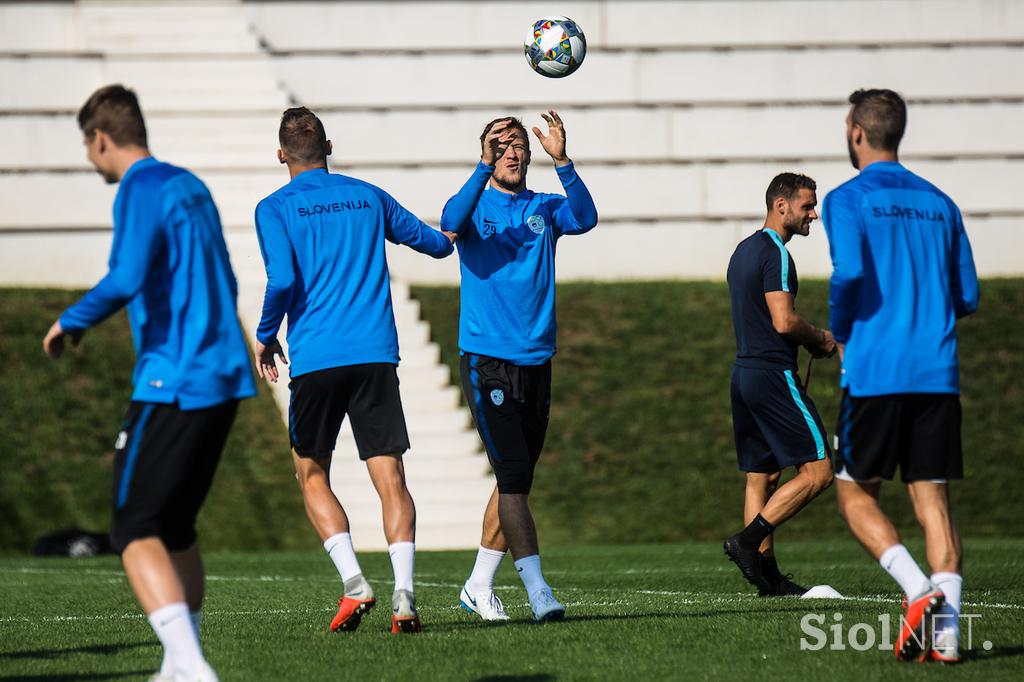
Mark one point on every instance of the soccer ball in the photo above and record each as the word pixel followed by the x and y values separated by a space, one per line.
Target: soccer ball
pixel 555 46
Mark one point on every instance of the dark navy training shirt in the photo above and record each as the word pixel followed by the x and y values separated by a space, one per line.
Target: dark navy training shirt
pixel 507 253
pixel 761 263
pixel 322 239
pixel 902 274
pixel 170 266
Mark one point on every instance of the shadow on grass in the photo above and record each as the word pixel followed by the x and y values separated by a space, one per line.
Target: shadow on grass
pixel 998 652
pixel 478 625
pixel 100 649
pixel 75 677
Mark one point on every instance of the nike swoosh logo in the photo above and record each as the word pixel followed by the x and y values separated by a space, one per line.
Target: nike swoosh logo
pixel 472 601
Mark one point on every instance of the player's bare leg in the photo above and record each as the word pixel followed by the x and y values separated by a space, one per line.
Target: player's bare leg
pixel 945 556
pixel 331 524
pixel 743 548
pixel 491 536
pixel 477 595
pixel 858 504
pixel 387 473
pixel 322 507
pixel 399 512
pixel 147 564
pixel 517 524
pixel 189 565
pixel 157 585
pixel 812 478
pixel 760 487
pixel 521 534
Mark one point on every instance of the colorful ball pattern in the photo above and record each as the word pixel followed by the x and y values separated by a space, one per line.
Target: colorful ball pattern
pixel 555 46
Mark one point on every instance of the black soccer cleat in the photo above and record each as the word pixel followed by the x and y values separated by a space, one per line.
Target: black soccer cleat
pixel 781 585
pixel 749 563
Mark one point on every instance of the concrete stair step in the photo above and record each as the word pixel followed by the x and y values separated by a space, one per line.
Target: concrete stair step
pixel 416 377
pixel 447 397
pixel 426 446
pixel 369 537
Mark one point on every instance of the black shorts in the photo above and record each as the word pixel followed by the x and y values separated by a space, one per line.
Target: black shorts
pixel 774 421
pixel 163 466
pixel 511 405
pixel 918 431
pixel 367 393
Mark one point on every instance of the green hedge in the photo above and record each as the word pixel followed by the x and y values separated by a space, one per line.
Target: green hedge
pixel 640 444
pixel 59 421
pixel 639 448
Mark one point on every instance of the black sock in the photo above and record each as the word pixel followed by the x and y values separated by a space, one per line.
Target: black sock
pixel 753 535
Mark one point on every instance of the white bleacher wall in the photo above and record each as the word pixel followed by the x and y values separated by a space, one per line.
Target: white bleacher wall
pixel 681 114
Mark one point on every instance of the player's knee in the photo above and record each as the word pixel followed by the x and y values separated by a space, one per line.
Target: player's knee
pixel 824 480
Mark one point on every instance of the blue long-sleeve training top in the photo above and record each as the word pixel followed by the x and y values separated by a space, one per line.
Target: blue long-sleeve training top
pixel 170 266
pixel 903 272
pixel 322 239
pixel 507 252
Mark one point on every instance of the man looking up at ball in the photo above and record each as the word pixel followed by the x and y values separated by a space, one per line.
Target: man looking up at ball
pixel 774 421
pixel 169 266
pixel 322 238
pixel 506 242
pixel 903 273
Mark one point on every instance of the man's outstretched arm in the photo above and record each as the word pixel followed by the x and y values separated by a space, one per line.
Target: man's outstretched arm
pixel 136 243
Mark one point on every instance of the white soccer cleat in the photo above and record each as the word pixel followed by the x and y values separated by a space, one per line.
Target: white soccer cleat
pixel 946 647
pixel 545 607
pixel 484 604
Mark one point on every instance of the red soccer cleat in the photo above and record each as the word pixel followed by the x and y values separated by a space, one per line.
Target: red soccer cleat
pixel 404 619
pixel 350 613
pixel 914 641
pixel 405 625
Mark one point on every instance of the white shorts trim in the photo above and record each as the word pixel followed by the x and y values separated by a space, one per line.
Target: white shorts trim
pixel 844 475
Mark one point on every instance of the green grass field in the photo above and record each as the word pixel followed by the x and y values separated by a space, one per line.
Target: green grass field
pixel 643 612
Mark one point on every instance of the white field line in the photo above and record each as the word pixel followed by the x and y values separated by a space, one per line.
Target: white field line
pixel 679 598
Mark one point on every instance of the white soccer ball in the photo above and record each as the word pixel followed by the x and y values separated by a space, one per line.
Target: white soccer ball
pixel 555 46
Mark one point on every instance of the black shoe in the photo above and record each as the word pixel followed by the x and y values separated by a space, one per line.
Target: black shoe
pixel 781 585
pixel 749 563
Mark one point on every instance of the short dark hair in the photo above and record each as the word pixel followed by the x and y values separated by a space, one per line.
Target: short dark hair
pixel 883 116
pixel 787 186
pixel 302 135
pixel 115 110
pixel 513 123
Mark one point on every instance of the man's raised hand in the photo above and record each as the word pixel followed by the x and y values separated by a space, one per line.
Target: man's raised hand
pixel 496 142
pixel 554 141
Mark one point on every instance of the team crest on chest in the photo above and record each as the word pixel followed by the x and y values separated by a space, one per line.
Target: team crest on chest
pixel 535 223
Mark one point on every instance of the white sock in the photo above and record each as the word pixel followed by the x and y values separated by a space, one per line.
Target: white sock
pixel 174 626
pixel 403 555
pixel 948 617
pixel 904 570
pixel 166 667
pixel 529 571
pixel 486 566
pixel 339 547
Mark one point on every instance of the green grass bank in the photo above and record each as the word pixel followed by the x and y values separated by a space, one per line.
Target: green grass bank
pixel 640 445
